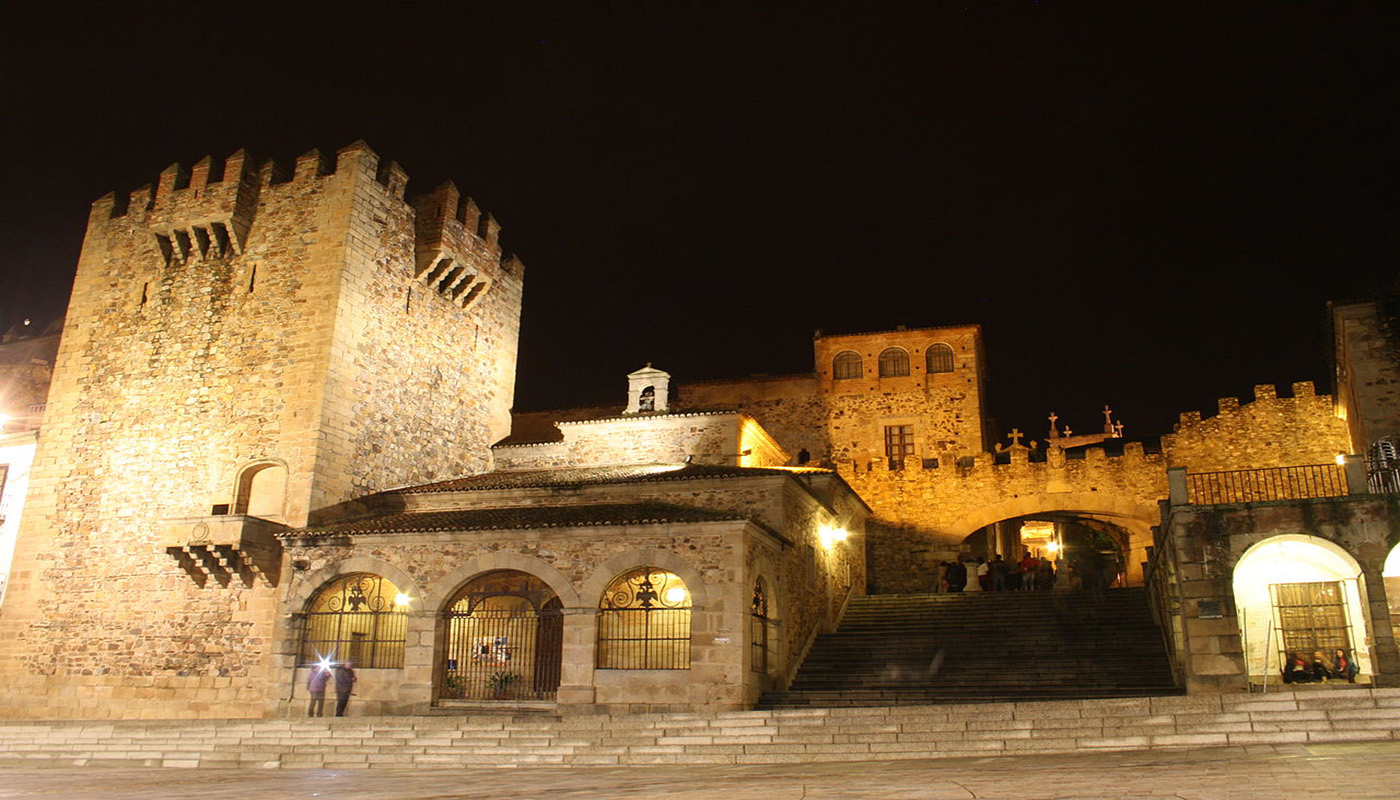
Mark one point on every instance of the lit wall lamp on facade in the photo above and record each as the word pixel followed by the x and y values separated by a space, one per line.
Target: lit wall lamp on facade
pixel 829 536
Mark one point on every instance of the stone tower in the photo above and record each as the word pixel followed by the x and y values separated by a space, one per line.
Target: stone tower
pixel 245 349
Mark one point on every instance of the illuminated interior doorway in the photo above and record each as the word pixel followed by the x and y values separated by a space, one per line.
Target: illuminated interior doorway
pixel 505 640
pixel 1298 594
pixel 1390 573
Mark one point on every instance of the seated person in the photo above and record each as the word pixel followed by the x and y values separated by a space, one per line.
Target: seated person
pixel 1320 668
pixel 1344 667
pixel 1296 669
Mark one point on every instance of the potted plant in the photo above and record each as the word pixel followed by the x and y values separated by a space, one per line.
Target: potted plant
pixel 500 683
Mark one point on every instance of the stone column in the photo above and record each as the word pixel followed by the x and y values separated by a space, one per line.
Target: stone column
pixel 576 686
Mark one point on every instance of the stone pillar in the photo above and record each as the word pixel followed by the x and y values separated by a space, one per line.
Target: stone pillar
pixel 1176 486
pixel 1385 655
pixel 1355 469
pixel 576 687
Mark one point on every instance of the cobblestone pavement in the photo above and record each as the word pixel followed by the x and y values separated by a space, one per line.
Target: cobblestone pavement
pixel 1271 772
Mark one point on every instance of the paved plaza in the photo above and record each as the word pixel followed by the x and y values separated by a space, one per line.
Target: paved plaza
pixel 1269 772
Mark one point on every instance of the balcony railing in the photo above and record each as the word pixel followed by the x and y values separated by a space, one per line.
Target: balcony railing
pixel 1272 483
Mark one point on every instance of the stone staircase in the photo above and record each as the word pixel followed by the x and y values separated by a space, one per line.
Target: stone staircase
pixel 984 647
pixel 1329 713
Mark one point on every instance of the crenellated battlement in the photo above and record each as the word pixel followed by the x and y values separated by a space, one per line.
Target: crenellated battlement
pixel 457 247
pixel 1304 392
pixel 205 211
pixel 946 464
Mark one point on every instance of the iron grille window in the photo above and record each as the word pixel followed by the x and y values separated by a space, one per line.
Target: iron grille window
pixel 505 639
pixel 758 624
pixel 1311 616
pixel 894 363
pixel 899 443
pixel 846 366
pixel 358 618
pixel 939 358
pixel 644 622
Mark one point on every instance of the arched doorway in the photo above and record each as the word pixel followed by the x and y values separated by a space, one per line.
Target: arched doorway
pixel 1390 573
pixel 504 639
pixel 1093 550
pixel 1299 594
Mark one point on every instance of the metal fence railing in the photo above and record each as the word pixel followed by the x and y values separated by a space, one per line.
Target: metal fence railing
pixel 1271 483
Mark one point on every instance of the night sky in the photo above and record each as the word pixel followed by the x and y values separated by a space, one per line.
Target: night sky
pixel 1147 206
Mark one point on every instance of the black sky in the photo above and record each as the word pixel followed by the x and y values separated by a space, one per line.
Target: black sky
pixel 1146 205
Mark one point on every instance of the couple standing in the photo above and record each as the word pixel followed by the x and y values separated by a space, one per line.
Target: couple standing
pixel 321 675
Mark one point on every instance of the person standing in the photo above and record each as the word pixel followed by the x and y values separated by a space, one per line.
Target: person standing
pixel 957 576
pixel 320 676
pixel 344 683
pixel 998 571
pixel 1028 567
pixel 984 574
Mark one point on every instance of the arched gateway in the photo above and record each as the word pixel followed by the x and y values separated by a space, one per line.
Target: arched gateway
pixel 503 638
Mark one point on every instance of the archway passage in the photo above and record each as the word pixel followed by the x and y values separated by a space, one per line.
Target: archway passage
pixel 1299 594
pixel 1090 552
pixel 504 639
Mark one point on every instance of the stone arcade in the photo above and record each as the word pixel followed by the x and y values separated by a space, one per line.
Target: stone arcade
pixel 278 432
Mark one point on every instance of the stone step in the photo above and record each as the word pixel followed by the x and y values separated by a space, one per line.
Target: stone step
pixel 802 734
pixel 909 649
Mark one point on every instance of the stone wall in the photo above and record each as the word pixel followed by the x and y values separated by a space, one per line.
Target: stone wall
pixel 229 316
pixel 1367 372
pixel 1272 431
pixel 944 408
pixel 720 438
pixel 928 503
pixel 1200 547
pixel 808 579
pixel 836 420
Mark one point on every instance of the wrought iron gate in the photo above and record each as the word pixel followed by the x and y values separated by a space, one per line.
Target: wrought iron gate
pixel 1311 616
pixel 505 640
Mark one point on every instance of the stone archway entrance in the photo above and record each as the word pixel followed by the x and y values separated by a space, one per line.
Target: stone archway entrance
pixel 1301 594
pixel 1094 549
pixel 504 638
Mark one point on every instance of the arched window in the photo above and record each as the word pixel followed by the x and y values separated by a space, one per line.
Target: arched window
pixel 262 491
pixel 758 628
pixel 505 639
pixel 360 618
pixel 846 366
pixel 939 358
pixel 644 621
pixel 894 363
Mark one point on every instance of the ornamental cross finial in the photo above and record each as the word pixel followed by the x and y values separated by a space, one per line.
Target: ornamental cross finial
pixel 1054 429
pixel 1015 437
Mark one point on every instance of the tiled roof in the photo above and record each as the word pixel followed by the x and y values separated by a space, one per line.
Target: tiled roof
pixel 522 518
pixel 585 476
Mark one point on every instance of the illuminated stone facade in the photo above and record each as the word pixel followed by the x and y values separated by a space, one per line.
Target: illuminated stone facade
pixel 913 445
pixel 722 530
pixel 307 336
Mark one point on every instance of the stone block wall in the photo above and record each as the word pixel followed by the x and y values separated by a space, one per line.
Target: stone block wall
pixel 924 513
pixel 719 438
pixel 808 581
pixel 1367 372
pixel 230 315
pixel 1200 547
pixel 1271 431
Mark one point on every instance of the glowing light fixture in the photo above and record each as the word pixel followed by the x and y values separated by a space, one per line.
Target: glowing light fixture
pixel 1053 547
pixel 402 599
pixel 1341 459
pixel 829 536
pixel 675 594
